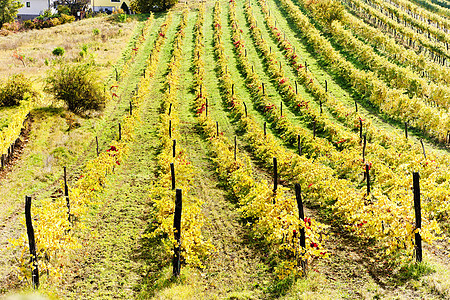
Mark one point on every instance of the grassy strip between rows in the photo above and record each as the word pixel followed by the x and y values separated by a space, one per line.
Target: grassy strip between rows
pixel 390 101
pixel 274 216
pixel 194 247
pixel 407 34
pixel 395 76
pixel 397 52
pixel 58 220
pixel 388 172
pixel 393 226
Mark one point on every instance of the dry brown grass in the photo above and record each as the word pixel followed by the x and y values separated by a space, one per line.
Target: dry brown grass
pixel 37 46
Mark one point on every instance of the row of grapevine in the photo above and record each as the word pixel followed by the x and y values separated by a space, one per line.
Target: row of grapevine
pixel 392 102
pixel 427 30
pixel 275 214
pixel 422 14
pixel 353 206
pixel 440 7
pixel 395 76
pixel 436 192
pixel 397 52
pixel 386 162
pixel 394 158
pixel 408 36
pixel 58 220
pixel 194 247
pixel 9 134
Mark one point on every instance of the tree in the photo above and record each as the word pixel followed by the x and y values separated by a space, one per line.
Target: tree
pixel 8 10
pixel 73 5
pixel 146 6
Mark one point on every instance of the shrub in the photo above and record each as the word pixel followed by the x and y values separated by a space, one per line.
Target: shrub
pixel 96 31
pixel 55 22
pixel 121 18
pixel 66 19
pixel 58 51
pixel 28 24
pixel 12 26
pixel 63 9
pixel 14 90
pixel 78 86
pixel 84 50
pixel 118 11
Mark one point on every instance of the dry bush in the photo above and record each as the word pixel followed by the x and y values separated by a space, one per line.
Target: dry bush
pixel 78 86
pixel 14 90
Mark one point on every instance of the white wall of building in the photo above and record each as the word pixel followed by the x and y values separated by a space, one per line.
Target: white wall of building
pixel 33 8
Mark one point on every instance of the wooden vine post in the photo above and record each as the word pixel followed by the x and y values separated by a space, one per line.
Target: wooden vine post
pixel 275 176
pixel 66 194
pixel 368 179
pixel 206 107
pixel 170 128
pixel 281 108
pixel 174 146
pixel 31 243
pixel 235 148
pixel 360 129
pixel 172 175
pixel 418 213
pixel 301 216
pixel 364 148
pixel 423 149
pixel 177 233
pixel 265 131
pixel 296 90
pixel 245 108
pixel 217 128
pixel 120 131
pixel 406 130
pixel 170 108
pixel 263 91
pixel 299 145
pixel 96 141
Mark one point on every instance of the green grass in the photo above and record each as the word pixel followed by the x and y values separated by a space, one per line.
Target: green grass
pixel 336 86
pixel 289 73
pixel 118 262
pixel 51 146
pixel 120 221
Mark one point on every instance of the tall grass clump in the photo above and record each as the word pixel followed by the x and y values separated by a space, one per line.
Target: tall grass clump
pixel 78 86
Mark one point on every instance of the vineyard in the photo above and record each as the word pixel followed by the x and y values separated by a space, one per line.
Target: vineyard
pixel 245 149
